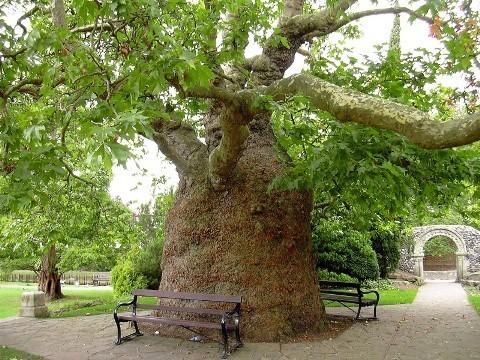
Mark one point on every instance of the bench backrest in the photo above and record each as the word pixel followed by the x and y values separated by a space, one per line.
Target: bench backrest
pixel 188 296
pixel 326 284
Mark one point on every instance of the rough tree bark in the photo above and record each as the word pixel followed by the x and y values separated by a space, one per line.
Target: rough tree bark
pixel 48 277
pixel 245 241
pixel 226 233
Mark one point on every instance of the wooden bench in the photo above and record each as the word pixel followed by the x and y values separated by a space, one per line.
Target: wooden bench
pixel 99 278
pixel 222 320
pixel 348 293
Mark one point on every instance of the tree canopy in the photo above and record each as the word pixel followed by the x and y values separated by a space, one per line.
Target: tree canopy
pixel 79 78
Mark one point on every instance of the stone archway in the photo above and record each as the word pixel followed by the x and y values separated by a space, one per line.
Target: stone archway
pixel 466 239
pixel 423 234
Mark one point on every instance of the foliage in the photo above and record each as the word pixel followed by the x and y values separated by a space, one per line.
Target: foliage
pixel 439 246
pixel 370 181
pixel 141 266
pixel 332 276
pixel 340 251
pixel 380 284
pixel 386 238
pixel 125 278
pixel 86 226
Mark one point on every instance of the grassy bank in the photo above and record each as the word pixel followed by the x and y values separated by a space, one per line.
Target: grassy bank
pixel 12 354
pixel 77 302
pixel 84 302
pixel 474 298
pixel 390 297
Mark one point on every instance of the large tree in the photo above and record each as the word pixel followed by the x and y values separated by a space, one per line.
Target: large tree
pixel 176 72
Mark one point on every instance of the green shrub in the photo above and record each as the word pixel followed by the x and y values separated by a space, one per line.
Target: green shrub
pixel 125 278
pixel 380 284
pixel 328 275
pixel 386 239
pixel 344 251
pixel 147 263
pixel 141 268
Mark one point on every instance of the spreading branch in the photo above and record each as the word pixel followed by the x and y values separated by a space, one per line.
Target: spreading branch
pixel 325 22
pixel 179 143
pixel 225 156
pixel 352 106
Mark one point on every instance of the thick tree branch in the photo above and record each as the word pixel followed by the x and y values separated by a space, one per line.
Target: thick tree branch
pixel 58 14
pixel 277 58
pixel 224 157
pixel 392 10
pixel 352 106
pixel 179 143
pixel 321 23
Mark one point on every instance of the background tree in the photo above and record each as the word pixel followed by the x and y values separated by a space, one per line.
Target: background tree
pixel 107 71
pixel 79 228
pixel 141 267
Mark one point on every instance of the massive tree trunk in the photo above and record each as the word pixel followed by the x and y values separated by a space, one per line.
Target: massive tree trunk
pixel 245 241
pixel 49 278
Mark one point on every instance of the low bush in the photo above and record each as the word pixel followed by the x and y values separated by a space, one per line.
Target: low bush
pixel 380 284
pixel 125 278
pixel 331 276
pixel 341 251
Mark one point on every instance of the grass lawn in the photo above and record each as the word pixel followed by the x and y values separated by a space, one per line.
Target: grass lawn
pixel 12 354
pixel 474 298
pixel 390 297
pixel 77 302
pixel 81 302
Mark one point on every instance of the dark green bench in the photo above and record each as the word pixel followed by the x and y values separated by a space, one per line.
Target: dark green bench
pixel 348 293
pixel 223 320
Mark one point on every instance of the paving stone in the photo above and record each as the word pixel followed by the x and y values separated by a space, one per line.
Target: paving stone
pixel 439 325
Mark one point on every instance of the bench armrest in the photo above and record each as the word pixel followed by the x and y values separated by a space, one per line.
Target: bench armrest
pixel 133 302
pixel 372 292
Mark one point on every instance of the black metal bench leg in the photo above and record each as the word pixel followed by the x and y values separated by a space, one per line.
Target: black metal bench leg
pixel 119 331
pixel 358 312
pixel 137 332
pixel 237 334
pixel 375 311
pixel 225 340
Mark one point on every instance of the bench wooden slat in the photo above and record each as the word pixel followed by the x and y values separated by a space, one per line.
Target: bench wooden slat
pixel 327 283
pixel 348 299
pixel 168 321
pixel 181 309
pixel 189 296
pixel 339 292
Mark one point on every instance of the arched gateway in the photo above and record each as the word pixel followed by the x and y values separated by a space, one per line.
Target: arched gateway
pixel 466 239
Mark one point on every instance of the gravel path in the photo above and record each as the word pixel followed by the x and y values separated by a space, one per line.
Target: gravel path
pixel 440 324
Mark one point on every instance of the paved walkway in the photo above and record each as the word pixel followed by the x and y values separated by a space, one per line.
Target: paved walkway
pixel 440 324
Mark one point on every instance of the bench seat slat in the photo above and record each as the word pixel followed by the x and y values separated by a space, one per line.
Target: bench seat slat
pixel 182 309
pixel 347 299
pixel 189 296
pixel 168 321
pixel 339 292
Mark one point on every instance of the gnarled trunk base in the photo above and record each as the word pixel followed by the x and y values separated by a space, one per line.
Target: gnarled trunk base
pixel 49 278
pixel 245 241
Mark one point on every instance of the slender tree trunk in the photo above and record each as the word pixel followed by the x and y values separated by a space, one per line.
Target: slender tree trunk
pixel 246 241
pixel 49 278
